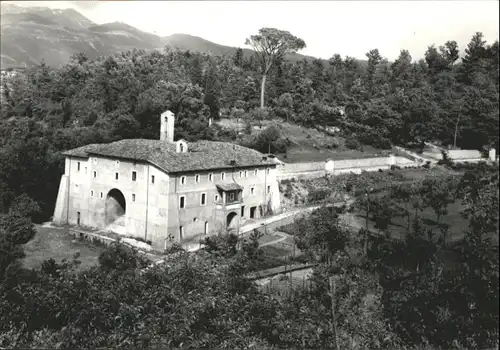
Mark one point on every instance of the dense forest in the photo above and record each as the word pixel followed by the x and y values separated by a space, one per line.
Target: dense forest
pixel 389 293
pixel 440 98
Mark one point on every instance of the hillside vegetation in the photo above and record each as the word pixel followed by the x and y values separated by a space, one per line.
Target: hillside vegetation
pixel 46 110
pixel 294 143
pixel 368 290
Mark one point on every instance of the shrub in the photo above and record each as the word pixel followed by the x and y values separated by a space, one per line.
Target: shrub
pixel 375 139
pixel 352 143
pixel 248 127
pixel 446 160
pixel 223 245
pixel 270 140
pixel 120 257
pixel 318 195
pixel 260 114
pixel 227 134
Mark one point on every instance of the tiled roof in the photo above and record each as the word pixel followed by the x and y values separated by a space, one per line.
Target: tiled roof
pixel 231 186
pixel 202 155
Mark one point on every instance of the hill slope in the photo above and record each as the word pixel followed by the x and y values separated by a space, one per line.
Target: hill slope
pixel 194 43
pixel 32 34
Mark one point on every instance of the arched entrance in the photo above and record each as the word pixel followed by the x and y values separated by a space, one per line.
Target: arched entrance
pixel 232 220
pixel 115 206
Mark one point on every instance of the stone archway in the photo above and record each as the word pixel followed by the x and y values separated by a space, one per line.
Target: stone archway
pixel 115 206
pixel 232 220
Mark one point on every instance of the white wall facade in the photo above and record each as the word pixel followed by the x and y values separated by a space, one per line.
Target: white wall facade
pixel 152 208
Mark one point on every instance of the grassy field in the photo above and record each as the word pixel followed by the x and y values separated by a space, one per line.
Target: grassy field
pixel 307 144
pixel 56 243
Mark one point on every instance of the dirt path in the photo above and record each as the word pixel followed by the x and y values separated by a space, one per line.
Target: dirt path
pixel 281 238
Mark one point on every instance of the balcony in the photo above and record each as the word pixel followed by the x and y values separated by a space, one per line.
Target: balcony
pixel 231 196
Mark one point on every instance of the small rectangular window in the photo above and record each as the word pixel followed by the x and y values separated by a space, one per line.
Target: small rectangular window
pixel 182 202
pixel 252 190
pixel 92 193
pixel 101 195
pixel 246 173
pixel 268 189
pixel 223 176
pixel 183 180
pixel 181 232
pixel 78 166
pixel 231 196
pixel 206 227
pixel 117 164
pixel 133 197
pixel 267 171
pixel 210 177
pixel 197 178
pixel 241 174
pixel 152 179
pixel 134 175
pixel 216 198
pixel 95 174
pixel 242 211
pixel 116 176
pixel 203 198
pixel 256 172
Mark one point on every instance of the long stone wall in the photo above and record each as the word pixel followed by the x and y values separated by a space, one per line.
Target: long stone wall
pixel 336 167
pixel 302 167
pixel 456 155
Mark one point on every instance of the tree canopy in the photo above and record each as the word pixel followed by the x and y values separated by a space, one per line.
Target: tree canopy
pixel 270 46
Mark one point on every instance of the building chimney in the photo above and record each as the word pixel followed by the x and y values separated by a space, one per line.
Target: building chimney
pixel 167 122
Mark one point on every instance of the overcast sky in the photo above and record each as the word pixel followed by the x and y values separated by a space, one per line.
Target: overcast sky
pixel 345 27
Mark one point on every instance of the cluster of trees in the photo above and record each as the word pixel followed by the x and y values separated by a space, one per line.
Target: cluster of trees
pixel 385 294
pixel 437 291
pixel 45 110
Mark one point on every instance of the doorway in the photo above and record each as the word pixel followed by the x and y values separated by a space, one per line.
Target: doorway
pixel 253 211
pixel 231 220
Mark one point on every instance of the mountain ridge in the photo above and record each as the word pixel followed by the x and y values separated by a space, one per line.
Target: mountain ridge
pixel 31 35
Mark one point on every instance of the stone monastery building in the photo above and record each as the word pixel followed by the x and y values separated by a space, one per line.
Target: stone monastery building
pixel 164 191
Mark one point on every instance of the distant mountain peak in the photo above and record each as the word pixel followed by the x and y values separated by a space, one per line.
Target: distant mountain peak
pixel 33 34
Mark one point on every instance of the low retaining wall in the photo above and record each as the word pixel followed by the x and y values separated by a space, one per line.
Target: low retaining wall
pixel 96 237
pixel 89 236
